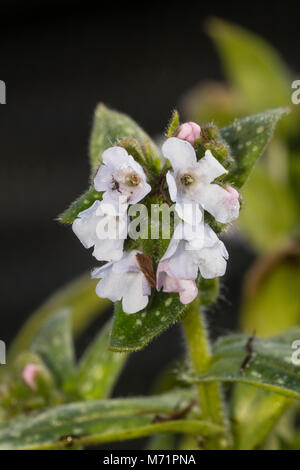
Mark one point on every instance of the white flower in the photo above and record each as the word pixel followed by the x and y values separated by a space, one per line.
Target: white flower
pixel 124 280
pixel 97 226
pixel 186 288
pixel 186 256
pixel 190 184
pixel 121 178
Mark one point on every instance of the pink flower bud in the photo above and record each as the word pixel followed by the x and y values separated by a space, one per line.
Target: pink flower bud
pixel 189 131
pixel 29 373
pixel 186 288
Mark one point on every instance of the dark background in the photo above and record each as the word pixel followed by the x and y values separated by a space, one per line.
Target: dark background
pixel 58 60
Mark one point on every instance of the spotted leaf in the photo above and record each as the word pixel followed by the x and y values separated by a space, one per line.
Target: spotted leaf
pixel 248 138
pixel 264 363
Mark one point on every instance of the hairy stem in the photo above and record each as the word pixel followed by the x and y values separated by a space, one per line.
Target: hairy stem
pixel 209 394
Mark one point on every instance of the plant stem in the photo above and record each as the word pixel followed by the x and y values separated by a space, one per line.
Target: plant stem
pixel 210 395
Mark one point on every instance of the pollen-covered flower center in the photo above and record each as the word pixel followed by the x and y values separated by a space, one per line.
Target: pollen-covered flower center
pixel 124 179
pixel 133 179
pixel 187 179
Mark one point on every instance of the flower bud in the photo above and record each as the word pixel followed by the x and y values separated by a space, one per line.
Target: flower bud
pixel 189 131
pixel 219 150
pixel 29 374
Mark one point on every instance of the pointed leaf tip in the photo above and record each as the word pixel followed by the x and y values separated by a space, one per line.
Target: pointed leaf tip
pixel 110 127
pixel 248 138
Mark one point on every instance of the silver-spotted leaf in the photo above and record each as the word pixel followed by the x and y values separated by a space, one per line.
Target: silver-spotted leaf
pixel 88 423
pixel 77 297
pixel 132 332
pixel 255 412
pixel 251 65
pixel 54 344
pixel 110 127
pixel 247 139
pixel 99 368
pixel 264 363
pixel 83 202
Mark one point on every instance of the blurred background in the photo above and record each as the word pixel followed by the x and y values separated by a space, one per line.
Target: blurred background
pixel 59 59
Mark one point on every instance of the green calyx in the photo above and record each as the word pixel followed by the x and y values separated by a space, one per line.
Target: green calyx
pixel 211 139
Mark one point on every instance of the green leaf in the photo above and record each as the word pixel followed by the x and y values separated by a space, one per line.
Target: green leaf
pixel 110 127
pixel 132 332
pixel 78 298
pixel 251 65
pixel 54 345
pixel 254 414
pixel 265 228
pixel 213 102
pixel 162 442
pixel 247 139
pixel 174 124
pixel 271 295
pixel 294 175
pixel 269 367
pixel 271 289
pixel 82 203
pixel 94 422
pixel 99 368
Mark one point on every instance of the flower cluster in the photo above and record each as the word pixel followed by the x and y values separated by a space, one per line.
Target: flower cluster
pixel 194 246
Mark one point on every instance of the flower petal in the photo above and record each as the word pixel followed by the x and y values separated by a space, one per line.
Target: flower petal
pixel 103 178
pixel 114 157
pixel 171 185
pixel 112 228
pixel 128 263
pixel 109 208
pixel 188 292
pixel 190 212
pixel 146 287
pixel 161 274
pixel 112 249
pixel 180 153
pixel 194 234
pixel 173 245
pixel 211 262
pixel 136 167
pixel 220 203
pixel 210 167
pixel 123 280
pixel 106 288
pixel 84 226
pixel 210 237
pixel 134 299
pixel 223 250
pixel 102 271
pixel 140 193
pixel 187 289
pixel 115 203
pixel 184 263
